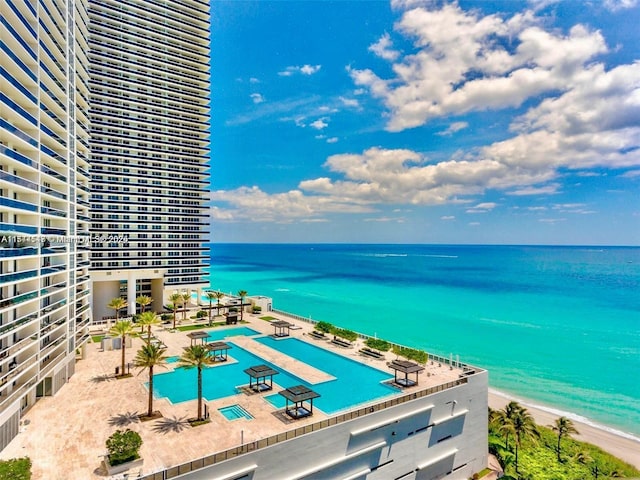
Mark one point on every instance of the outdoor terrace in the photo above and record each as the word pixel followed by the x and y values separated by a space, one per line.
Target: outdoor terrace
pixel 65 435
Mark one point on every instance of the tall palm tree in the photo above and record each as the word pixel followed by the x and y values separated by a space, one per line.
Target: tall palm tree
pixel 524 428
pixel 176 301
pixel 122 329
pixel 504 418
pixel 117 304
pixel 210 296
pixel 564 427
pixel 143 301
pixel 219 295
pixel 148 319
pixel 185 301
pixel 196 356
pixel 242 294
pixel 150 356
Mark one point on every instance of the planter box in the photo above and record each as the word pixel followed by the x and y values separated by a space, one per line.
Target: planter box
pixel 123 467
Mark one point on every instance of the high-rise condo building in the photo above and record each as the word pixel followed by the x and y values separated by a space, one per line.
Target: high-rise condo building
pixel 44 200
pixel 149 83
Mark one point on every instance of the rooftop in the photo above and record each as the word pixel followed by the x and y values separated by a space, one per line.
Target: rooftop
pixel 67 432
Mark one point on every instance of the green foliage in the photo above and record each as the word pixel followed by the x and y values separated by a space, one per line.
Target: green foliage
pixel 268 318
pixel 348 335
pixel 418 356
pixel 15 469
pixel 123 446
pixel 166 317
pixel 324 327
pixel 538 459
pixel 186 328
pixel 202 314
pixel 257 309
pixel 378 344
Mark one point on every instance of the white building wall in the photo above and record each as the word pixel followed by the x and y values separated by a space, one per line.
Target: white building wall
pixel 439 436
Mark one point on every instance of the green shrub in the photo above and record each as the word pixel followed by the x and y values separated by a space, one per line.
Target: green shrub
pixel 348 335
pixel 15 469
pixel 324 327
pixel 418 356
pixel 123 446
pixel 378 344
pixel 202 314
pixel 166 317
pixel 257 309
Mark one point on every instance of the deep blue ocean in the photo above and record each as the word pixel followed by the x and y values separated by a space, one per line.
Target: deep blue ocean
pixel 557 327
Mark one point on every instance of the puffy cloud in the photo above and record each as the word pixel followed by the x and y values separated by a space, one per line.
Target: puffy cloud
pixel 382 48
pixel 303 69
pixel 319 124
pixel 257 98
pixel 615 5
pixel 349 102
pixel 482 207
pixel 448 217
pixel 332 140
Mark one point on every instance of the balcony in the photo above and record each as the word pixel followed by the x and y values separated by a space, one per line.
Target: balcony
pixel 16 347
pixel 17 252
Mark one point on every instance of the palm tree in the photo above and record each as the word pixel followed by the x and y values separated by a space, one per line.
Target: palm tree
pixel 117 304
pixel 185 301
pixel 219 295
pixel 210 295
pixel 196 356
pixel 242 294
pixel 148 319
pixel 524 428
pixel 122 329
pixel 143 301
pixel 564 427
pixel 504 418
pixel 176 301
pixel 149 356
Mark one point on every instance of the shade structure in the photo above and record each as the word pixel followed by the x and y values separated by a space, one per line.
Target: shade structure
pixel 282 328
pixel 298 395
pixel 405 367
pixel 218 350
pixel 199 335
pixel 260 373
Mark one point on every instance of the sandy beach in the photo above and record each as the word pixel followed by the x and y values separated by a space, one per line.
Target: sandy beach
pixel 625 448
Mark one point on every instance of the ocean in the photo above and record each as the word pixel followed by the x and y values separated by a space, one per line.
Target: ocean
pixel 557 327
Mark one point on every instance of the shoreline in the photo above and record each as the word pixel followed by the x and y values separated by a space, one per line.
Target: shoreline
pixel 620 444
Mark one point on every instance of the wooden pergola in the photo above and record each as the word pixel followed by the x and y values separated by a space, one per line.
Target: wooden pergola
pixel 405 367
pixel 298 395
pixel 282 328
pixel 218 350
pixel 199 335
pixel 260 373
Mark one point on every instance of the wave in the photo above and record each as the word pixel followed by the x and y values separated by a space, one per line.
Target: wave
pixel 282 290
pixel 563 413
pixel 438 256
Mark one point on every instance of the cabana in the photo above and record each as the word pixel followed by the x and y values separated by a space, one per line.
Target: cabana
pixel 282 328
pixel 405 367
pixel 199 335
pixel 232 318
pixel 298 395
pixel 260 373
pixel 218 350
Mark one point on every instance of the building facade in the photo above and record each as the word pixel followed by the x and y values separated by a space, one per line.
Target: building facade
pixel 44 200
pixel 431 434
pixel 149 84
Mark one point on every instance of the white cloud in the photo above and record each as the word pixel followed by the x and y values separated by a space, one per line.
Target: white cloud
pixel 551 220
pixel 631 174
pixel 257 98
pixel 448 217
pixel 332 140
pixel 254 80
pixel 543 190
pixel 537 209
pixel 382 48
pixel 474 224
pixel 349 102
pixel 615 5
pixel 453 128
pixel 385 219
pixel 319 124
pixel 482 207
pixel 303 69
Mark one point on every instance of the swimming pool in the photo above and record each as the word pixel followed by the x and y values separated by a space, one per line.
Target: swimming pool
pixel 235 412
pixel 355 383
pixel 215 335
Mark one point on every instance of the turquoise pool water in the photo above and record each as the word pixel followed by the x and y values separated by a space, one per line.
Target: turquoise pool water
pixel 355 383
pixel 215 335
pixel 234 412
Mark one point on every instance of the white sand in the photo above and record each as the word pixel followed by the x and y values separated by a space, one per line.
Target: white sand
pixel 622 447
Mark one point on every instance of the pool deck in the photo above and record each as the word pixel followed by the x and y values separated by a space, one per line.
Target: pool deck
pixel 65 435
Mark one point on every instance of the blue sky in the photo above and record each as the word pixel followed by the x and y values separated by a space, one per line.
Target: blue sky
pixel 426 122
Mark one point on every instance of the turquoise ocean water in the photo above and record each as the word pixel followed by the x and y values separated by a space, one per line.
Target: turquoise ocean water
pixel 558 327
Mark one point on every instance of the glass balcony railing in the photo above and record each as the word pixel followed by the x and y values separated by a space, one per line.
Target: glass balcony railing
pixel 17 252
pixel 7 202
pixel 14 277
pixel 15 228
pixel 18 180
pixel 20 134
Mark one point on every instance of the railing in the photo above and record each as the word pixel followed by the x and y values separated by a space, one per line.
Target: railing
pixel 209 460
